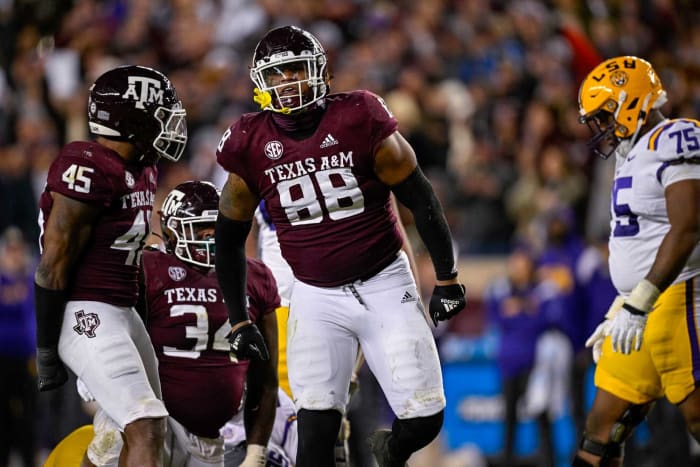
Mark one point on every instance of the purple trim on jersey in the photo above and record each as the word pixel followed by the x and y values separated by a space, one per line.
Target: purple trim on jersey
pixel 266 216
pixel 655 145
pixel 287 425
pixel 692 323
pixel 680 160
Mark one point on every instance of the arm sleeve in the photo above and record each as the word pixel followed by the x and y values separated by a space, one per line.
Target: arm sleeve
pixel 417 194
pixel 49 306
pixel 231 265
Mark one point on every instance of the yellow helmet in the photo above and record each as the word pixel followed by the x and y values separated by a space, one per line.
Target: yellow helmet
pixel 615 100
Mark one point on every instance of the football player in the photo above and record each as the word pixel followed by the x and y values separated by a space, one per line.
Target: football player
pixel 647 347
pixel 188 324
pixel 94 217
pixel 325 164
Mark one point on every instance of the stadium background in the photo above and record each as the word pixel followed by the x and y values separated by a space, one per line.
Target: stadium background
pixel 484 90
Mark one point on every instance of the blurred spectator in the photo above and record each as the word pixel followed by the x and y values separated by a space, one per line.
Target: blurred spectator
pixel 518 307
pixel 18 393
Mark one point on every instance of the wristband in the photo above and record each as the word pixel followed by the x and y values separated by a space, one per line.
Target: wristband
pixel 615 307
pixel 254 452
pixel 50 305
pixel 446 276
pixel 643 296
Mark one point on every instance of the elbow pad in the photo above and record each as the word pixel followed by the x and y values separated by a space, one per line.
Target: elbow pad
pixel 230 236
pixel 416 193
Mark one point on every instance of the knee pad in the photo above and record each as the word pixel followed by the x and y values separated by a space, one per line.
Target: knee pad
pixel 627 423
pixel 412 434
pixel 619 432
pixel 317 434
pixel 605 451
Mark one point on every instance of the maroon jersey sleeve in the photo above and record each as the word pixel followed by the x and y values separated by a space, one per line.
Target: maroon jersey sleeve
pixel 82 171
pixel 231 153
pixel 380 118
pixel 262 290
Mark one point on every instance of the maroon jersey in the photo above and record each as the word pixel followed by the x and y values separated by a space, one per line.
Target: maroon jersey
pixel 108 269
pixel 332 214
pixel 188 323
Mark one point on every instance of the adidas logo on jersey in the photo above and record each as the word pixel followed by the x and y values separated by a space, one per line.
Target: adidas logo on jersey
pixel 407 297
pixel 329 140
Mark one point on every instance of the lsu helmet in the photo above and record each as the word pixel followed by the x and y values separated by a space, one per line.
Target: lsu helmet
pixel 615 100
pixel 139 105
pixel 188 209
pixel 285 59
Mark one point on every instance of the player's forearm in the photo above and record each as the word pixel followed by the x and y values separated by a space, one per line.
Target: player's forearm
pixel 231 265
pixel 259 415
pixel 417 195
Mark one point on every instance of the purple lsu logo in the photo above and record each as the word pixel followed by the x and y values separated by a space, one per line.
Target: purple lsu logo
pixel 87 323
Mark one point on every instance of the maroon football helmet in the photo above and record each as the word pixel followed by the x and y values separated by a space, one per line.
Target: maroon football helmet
pixel 285 59
pixel 187 220
pixel 139 105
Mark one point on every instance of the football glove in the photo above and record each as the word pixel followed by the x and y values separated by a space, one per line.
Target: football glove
pixel 50 370
pixel 596 339
pixel 446 302
pixel 627 327
pixel 247 344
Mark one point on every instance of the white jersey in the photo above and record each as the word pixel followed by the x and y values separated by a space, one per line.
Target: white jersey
pixel 284 430
pixel 269 253
pixel 669 153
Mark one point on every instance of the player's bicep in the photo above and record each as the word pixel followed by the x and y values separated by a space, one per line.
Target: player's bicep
pixel 394 159
pixel 683 205
pixel 66 233
pixel 237 200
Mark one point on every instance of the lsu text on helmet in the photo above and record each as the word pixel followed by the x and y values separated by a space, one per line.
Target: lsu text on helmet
pixel 615 100
pixel 139 105
pixel 187 219
pixel 290 69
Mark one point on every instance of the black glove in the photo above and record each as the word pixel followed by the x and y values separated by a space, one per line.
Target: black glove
pixel 446 302
pixel 247 343
pixel 50 370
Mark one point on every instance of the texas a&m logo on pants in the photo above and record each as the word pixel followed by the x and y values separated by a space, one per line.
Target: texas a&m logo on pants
pixel 87 323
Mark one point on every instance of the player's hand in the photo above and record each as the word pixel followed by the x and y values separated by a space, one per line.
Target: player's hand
pixel 626 330
pixel 50 370
pixel 596 339
pixel 446 302
pixel 627 327
pixel 247 344
pixel 255 456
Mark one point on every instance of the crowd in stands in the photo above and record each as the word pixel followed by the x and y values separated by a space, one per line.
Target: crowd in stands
pixel 484 90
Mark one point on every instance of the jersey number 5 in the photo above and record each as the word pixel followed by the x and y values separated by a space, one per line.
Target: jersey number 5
pixel 623 211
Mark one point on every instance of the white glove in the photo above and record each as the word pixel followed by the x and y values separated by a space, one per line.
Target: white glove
pixel 255 456
pixel 596 339
pixel 627 327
